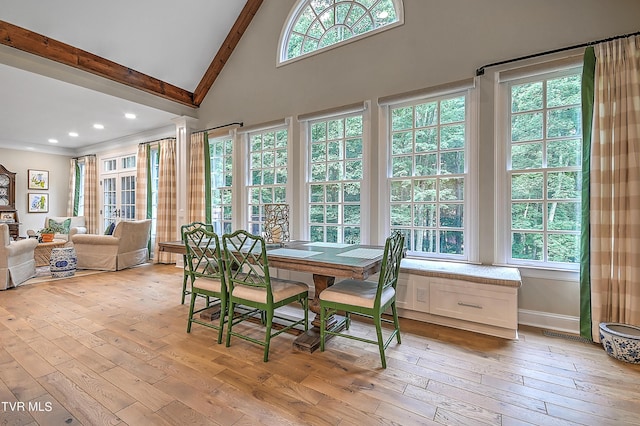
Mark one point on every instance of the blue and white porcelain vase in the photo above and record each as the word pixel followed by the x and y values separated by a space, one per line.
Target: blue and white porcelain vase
pixel 63 262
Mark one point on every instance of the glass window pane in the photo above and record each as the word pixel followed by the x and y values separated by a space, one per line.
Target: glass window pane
pixel 352 214
pixel 426 140
pixel 564 216
pixel 527 246
pixel 401 118
pixel 424 240
pixel 527 216
pixel 564 122
pixel 402 143
pixel 426 165
pixel 401 190
pixel 564 91
pixel 316 214
pixel 452 137
pixel 451 242
pixel 451 215
pixel 526 127
pixel 426 114
pixel 400 214
pixel 317 193
pixel 452 189
pixel 564 248
pixel 424 190
pixel 526 97
pixel 564 185
pixel 452 162
pixel 526 156
pixel 452 110
pixel 526 186
pixel 402 166
pixel 564 153
pixel 423 215
pixel 351 192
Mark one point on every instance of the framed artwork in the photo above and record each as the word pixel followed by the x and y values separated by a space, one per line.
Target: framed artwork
pixel 38 203
pixel 38 179
pixel 7 217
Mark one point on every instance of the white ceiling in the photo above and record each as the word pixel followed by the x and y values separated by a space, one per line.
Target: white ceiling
pixel 171 41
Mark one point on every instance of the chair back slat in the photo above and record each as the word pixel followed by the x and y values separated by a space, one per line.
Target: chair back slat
pixel 246 260
pixel 390 269
pixel 204 256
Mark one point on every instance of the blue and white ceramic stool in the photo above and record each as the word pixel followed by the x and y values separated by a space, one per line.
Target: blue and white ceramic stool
pixel 63 262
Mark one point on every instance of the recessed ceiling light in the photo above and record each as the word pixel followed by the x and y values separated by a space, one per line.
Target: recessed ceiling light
pixel 73 134
pixel 53 140
pixel 130 116
pixel 98 126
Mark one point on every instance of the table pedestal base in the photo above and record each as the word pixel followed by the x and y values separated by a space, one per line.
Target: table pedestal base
pixel 309 341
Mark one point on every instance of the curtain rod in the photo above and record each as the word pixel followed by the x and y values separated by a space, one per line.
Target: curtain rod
pixel 157 140
pixel 82 156
pixel 480 71
pixel 240 123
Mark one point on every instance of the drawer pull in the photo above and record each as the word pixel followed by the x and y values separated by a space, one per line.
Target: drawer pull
pixel 469 305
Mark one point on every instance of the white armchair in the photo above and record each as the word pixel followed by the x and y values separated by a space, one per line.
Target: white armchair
pixel 17 263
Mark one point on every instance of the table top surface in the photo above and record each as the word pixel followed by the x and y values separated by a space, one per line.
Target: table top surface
pixel 56 242
pixel 329 259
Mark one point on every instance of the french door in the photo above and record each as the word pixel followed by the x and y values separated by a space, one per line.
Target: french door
pixel 118 198
pixel 118 182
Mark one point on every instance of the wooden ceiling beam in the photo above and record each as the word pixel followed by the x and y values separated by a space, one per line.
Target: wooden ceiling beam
pixel 233 38
pixel 37 44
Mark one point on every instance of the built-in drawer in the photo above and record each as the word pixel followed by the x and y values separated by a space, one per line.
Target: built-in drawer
pixel 475 302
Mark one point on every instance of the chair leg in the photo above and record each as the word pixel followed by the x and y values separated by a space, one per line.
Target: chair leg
pixel 191 307
pixel 378 322
pixel 230 323
pixel 305 306
pixel 322 328
pixel 396 323
pixel 223 314
pixel 267 336
pixel 184 285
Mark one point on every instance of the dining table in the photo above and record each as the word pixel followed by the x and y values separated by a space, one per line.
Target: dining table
pixel 326 261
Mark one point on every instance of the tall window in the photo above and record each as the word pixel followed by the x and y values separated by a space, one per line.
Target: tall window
pixel 544 169
pixel 221 157
pixel 428 183
pixel 154 172
pixel 268 171
pixel 80 184
pixel 335 179
pixel 314 25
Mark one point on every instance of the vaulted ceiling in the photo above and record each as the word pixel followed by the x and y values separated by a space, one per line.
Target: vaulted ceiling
pixel 59 62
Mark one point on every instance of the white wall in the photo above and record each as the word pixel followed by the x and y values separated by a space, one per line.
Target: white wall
pixel 440 42
pixel 57 165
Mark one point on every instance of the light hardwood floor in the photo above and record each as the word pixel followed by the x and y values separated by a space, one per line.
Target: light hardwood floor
pixel 112 349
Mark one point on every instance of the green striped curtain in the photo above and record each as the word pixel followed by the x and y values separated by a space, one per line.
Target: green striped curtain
pixel 588 72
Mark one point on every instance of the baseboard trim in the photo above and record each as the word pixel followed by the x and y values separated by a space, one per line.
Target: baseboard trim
pixel 549 321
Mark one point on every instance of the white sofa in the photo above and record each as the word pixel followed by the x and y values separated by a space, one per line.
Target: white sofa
pixel 126 247
pixel 77 226
pixel 16 259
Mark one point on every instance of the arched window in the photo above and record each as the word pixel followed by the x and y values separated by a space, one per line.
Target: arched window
pixel 315 25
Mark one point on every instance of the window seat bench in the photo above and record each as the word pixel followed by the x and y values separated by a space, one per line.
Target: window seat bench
pixel 479 298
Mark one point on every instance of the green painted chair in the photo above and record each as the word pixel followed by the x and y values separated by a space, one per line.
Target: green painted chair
pixel 367 298
pixel 251 286
pixel 185 272
pixel 206 270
